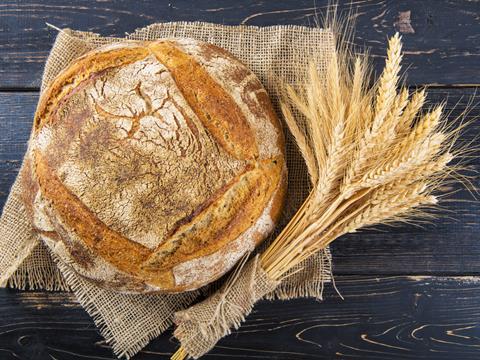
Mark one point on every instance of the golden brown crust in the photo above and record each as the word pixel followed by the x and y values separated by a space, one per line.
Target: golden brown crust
pixel 75 128
pixel 83 67
pixel 108 243
pixel 213 105
pixel 237 74
pixel 28 185
pixel 224 220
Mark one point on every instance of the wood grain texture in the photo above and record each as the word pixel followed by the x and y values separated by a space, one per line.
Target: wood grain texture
pixel 442 38
pixel 380 318
pixel 413 316
pixel 16 118
pixel 449 246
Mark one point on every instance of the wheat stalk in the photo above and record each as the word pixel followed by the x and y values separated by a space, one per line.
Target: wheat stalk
pixel 372 157
pixel 387 87
pixel 390 167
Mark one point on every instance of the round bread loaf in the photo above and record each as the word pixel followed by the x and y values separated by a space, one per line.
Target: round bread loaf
pixel 154 166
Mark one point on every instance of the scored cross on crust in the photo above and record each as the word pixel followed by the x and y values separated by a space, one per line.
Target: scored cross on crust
pixel 152 173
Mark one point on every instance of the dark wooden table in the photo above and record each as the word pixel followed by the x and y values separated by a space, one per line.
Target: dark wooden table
pixel 410 292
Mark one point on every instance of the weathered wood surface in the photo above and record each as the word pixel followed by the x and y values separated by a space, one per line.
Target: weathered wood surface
pixel 442 38
pixel 380 318
pixel 449 246
pixel 418 314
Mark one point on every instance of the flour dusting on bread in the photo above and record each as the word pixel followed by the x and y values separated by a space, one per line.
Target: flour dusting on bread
pixel 158 164
pixel 200 270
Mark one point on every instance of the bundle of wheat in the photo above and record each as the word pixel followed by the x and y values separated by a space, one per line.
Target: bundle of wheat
pixel 373 156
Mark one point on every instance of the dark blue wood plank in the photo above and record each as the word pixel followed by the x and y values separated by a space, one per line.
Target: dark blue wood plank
pixel 380 318
pixel 405 317
pixel 16 116
pixel 442 40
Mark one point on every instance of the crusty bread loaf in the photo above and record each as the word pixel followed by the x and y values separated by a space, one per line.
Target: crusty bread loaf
pixel 154 166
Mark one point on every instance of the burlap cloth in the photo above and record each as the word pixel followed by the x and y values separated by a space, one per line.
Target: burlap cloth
pixel 129 322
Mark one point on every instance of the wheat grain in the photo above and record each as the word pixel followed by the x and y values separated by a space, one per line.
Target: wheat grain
pixel 393 117
pixel 302 142
pixel 332 171
pixel 411 111
pixel 403 164
pixel 384 212
pixel 427 125
pixel 387 86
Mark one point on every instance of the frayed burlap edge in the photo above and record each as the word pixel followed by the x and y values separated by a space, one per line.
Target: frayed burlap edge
pixel 121 350
pixel 200 326
pixel 32 275
pixel 16 232
pixel 303 284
